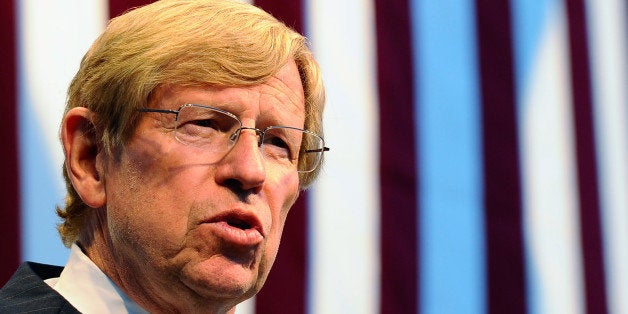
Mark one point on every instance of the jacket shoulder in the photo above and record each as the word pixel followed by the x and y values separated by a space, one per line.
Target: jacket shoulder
pixel 26 291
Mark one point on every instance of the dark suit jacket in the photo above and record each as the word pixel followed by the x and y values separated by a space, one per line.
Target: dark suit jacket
pixel 26 291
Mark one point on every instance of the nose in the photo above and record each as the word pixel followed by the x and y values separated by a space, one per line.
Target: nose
pixel 243 166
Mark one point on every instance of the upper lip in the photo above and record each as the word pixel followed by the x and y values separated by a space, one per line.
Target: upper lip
pixel 241 219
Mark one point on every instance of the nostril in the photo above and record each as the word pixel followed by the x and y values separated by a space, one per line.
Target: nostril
pixel 233 184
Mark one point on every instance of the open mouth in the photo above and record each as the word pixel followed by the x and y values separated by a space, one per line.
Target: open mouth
pixel 238 223
pixel 238 227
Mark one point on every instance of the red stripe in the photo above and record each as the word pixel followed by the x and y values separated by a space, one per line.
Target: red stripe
pixel 505 262
pixel 398 172
pixel 591 233
pixel 285 288
pixel 117 7
pixel 10 252
pixel 288 11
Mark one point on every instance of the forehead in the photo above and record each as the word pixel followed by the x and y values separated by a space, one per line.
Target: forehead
pixel 281 97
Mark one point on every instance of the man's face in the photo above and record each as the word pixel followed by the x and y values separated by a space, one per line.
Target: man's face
pixel 188 228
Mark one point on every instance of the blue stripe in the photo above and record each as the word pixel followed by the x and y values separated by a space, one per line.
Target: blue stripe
pixel 529 18
pixel 41 182
pixel 452 275
pixel 529 22
pixel 41 189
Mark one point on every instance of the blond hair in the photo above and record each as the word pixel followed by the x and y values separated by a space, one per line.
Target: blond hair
pixel 180 42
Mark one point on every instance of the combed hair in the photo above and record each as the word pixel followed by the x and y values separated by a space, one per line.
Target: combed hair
pixel 186 43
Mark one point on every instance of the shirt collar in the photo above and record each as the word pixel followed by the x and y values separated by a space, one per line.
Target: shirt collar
pixel 88 289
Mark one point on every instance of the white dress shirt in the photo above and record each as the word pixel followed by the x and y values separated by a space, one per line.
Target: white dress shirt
pixel 88 289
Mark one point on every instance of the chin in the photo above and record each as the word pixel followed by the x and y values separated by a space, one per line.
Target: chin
pixel 222 280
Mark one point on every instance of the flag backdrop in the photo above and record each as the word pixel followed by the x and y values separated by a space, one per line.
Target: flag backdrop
pixel 479 158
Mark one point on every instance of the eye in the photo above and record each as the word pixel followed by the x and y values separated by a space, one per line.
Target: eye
pixel 207 123
pixel 276 147
pixel 201 126
pixel 276 141
pixel 204 127
pixel 206 119
pixel 202 131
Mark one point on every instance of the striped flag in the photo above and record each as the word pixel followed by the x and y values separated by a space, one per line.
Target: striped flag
pixel 479 158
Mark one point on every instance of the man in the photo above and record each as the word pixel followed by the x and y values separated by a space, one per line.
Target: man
pixel 190 128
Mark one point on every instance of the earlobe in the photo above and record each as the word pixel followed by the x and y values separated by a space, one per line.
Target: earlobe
pixel 82 161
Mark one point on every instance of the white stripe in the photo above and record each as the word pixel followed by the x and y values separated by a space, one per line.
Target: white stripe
pixel 344 255
pixel 608 46
pixel 54 35
pixel 549 175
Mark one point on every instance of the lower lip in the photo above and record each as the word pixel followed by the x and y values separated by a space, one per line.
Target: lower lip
pixel 237 236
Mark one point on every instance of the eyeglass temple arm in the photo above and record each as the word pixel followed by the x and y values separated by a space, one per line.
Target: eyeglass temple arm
pixel 324 149
pixel 158 110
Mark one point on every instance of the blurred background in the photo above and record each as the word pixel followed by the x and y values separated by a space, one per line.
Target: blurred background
pixel 479 157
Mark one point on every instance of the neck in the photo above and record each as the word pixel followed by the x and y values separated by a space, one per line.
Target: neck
pixel 137 281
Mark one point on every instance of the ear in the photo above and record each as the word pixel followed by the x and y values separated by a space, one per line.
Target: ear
pixel 79 141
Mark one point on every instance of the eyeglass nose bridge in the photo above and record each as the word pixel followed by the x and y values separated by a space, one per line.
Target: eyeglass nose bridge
pixel 236 135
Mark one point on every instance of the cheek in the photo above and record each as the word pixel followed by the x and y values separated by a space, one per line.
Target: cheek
pixel 285 197
pixel 145 222
pixel 287 192
pixel 144 206
pixel 282 200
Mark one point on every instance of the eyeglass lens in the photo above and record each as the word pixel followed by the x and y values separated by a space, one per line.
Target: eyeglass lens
pixel 217 131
